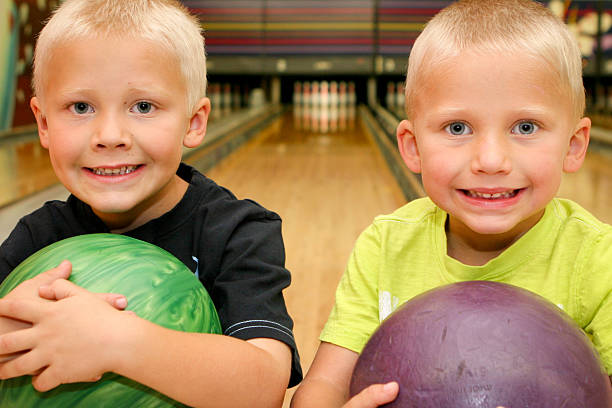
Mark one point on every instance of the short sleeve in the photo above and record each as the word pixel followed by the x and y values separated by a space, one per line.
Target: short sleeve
pixel 596 297
pixel 248 291
pixel 354 316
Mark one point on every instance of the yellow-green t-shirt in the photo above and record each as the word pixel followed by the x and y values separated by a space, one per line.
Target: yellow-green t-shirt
pixel 566 257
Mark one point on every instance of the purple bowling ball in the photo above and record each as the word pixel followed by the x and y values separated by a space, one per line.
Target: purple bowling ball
pixel 483 344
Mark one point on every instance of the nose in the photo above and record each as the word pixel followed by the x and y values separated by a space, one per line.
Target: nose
pixel 492 154
pixel 111 133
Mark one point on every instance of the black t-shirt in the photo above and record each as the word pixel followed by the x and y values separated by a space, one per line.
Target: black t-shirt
pixel 235 247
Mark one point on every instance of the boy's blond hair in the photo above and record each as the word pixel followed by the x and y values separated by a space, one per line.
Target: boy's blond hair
pixel 518 27
pixel 164 22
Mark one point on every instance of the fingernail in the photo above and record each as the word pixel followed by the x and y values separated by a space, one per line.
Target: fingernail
pixel 388 386
pixel 121 303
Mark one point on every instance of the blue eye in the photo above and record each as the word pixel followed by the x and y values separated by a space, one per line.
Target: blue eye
pixel 143 107
pixel 81 108
pixel 458 128
pixel 525 128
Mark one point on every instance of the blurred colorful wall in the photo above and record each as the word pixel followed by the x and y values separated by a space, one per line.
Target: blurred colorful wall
pixel 20 22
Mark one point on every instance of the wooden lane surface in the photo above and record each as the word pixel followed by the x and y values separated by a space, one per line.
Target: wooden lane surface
pixel 327 188
pixel 591 186
pixel 25 169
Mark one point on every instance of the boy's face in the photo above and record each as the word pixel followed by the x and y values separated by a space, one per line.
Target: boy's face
pixel 114 116
pixel 491 136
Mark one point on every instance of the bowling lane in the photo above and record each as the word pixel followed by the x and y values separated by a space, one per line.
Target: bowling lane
pixel 327 187
pixel 25 169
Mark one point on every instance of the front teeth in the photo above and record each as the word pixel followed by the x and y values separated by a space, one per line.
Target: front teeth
pixel 505 194
pixel 100 171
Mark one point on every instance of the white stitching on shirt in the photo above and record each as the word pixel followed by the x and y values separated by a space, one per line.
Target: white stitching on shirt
pixel 262 321
pixel 254 327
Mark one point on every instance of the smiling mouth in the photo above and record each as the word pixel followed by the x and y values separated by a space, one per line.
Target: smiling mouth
pixel 117 171
pixel 492 196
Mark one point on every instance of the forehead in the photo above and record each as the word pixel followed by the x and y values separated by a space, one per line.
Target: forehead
pixel 106 61
pixel 506 79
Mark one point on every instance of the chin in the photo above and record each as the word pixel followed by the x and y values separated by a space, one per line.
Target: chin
pixel 482 227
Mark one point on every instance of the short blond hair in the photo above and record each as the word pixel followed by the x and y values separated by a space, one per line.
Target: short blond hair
pixel 164 22
pixel 499 26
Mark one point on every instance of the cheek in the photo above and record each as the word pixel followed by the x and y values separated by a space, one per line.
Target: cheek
pixel 439 165
pixel 63 150
pixel 543 165
pixel 163 143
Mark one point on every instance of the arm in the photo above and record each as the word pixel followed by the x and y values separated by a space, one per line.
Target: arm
pixel 327 382
pixel 192 368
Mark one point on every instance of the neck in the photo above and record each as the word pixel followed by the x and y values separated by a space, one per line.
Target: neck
pixel 472 248
pixel 147 210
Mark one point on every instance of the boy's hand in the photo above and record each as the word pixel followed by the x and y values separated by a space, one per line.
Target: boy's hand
pixel 374 396
pixel 35 289
pixel 29 288
pixel 32 287
pixel 71 339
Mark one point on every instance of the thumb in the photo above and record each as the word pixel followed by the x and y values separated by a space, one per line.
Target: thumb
pixel 374 396
pixel 59 289
pixel 62 271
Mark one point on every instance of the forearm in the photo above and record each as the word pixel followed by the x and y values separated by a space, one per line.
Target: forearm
pixel 199 368
pixel 318 393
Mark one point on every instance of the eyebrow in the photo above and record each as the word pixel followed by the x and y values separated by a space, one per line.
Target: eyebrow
pixel 534 110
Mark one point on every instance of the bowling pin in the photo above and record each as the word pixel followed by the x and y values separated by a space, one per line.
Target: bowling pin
pixel 215 100
pixel 306 95
pixel 324 94
pixel 316 117
pixel 400 96
pixel 342 117
pixel 297 93
pixel 315 95
pixel 324 117
pixel 390 96
pixel 342 94
pixel 227 98
pixel 333 118
pixel 333 94
pixel 352 97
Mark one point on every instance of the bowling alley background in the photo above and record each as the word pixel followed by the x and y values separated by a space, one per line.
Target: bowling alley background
pixel 306 95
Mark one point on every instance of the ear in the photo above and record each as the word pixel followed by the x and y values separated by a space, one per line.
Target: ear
pixel 197 123
pixel 578 144
pixel 41 121
pixel 406 141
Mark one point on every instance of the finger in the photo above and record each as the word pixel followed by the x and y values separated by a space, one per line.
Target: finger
pixel 60 289
pixel 25 364
pixel 26 310
pixel 14 342
pixel 114 299
pixel 8 357
pixel 46 380
pixel 62 271
pixel 374 396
